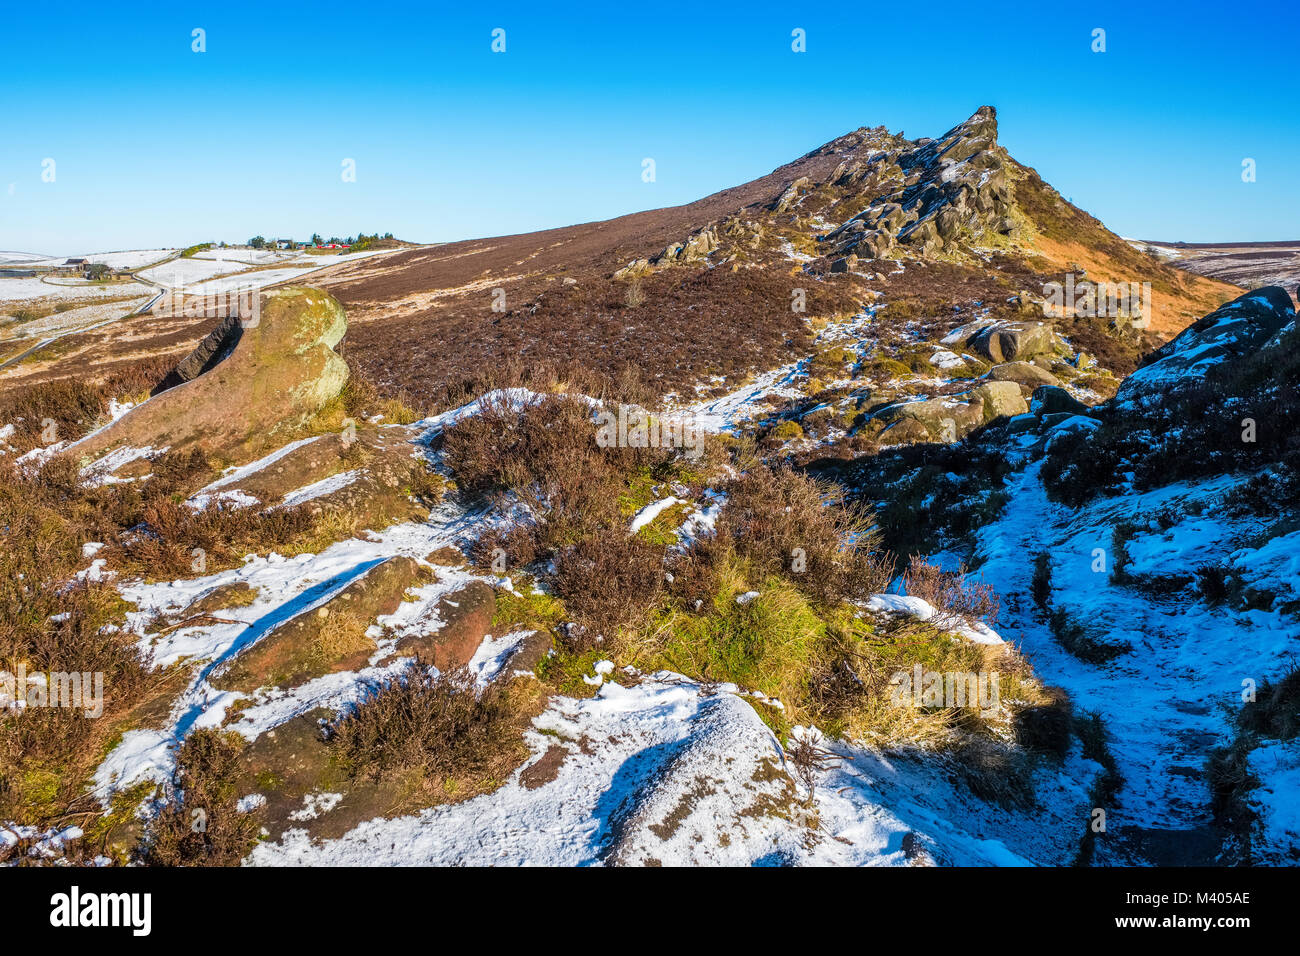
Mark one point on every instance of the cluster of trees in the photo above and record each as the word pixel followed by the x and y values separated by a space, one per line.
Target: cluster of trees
pixel 360 241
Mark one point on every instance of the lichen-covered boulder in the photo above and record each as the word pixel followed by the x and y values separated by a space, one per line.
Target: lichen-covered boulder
pixel 1001 400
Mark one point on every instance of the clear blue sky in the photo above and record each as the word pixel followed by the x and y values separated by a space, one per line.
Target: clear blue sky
pixel 157 145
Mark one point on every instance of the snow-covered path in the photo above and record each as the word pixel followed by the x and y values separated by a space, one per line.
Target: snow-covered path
pixel 1167 702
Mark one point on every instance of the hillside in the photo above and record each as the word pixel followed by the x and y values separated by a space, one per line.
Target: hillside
pixel 714 278
pixel 653 567
pixel 939 223
pixel 1247 264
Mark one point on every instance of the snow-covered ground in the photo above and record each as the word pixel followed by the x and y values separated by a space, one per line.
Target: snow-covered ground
pixel 34 289
pixel 659 769
pixel 286 588
pixel 731 411
pixel 1170 699
pixel 131 259
pixel 226 270
pixel 655 767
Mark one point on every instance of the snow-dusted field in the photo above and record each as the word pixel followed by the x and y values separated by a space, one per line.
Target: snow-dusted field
pixel 72 318
pixel 247 280
pixel 186 272
pixel 252 257
pixel 209 274
pixel 35 290
pixel 656 769
pixel 131 259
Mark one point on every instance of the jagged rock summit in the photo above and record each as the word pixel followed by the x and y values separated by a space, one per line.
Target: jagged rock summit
pixel 927 193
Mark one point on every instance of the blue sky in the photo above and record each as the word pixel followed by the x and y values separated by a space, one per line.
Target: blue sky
pixel 156 145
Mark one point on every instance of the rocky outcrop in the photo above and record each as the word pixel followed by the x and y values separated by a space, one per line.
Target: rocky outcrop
pixel 292 772
pixel 694 249
pixel 1011 341
pixel 281 371
pixel 791 194
pixel 466 616
pixel 930 194
pixel 949 418
pixel 1239 328
pixel 214 349
pixel 1053 400
pixel 634 269
pixel 1001 400
pixel 326 639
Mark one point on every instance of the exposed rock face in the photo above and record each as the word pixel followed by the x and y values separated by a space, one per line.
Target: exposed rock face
pixel 930 194
pixel 1052 400
pixel 292 769
pixel 1010 341
pixel 694 249
pixel 949 418
pixel 945 419
pixel 282 369
pixel 213 350
pixel 234 594
pixel 371 477
pixel 466 616
pixel 1001 399
pixel 1005 343
pixel 1232 331
pixel 791 194
pixel 635 268
pixel 311 644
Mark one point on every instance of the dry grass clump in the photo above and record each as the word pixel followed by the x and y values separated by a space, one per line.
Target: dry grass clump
pixel 950 593
pixel 439 725
pixel 767 641
pixel 545 446
pixel 544 457
pixel 1275 712
pixel 854 685
pixel 995 771
pixel 201 824
pixel 72 406
pixel 173 540
pixel 363 399
pixel 783 523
